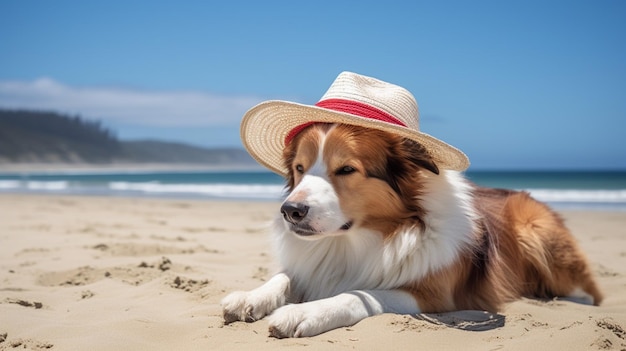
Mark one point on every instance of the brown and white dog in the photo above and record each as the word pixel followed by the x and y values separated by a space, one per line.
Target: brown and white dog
pixel 371 225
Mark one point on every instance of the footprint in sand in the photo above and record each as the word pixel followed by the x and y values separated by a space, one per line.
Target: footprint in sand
pixel 25 303
pixel 187 284
pixel 613 326
pixel 130 274
pixel 134 249
pixel 26 344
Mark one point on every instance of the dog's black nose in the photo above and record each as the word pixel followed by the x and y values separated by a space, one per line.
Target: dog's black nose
pixel 294 212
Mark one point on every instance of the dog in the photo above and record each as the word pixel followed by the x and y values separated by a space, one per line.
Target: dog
pixel 372 224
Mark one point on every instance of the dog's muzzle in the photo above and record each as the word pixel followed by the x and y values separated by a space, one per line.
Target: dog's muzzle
pixel 295 214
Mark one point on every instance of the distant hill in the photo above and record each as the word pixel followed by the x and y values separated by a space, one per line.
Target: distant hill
pixel 169 152
pixel 50 137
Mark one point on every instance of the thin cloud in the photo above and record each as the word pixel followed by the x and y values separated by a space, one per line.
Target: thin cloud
pixel 127 106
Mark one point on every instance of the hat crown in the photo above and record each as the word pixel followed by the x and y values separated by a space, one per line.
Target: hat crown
pixel 389 98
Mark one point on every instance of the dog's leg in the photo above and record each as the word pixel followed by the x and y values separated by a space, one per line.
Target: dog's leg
pixel 315 317
pixel 253 305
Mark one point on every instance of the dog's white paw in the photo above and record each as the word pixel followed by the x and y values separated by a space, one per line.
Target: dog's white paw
pixel 245 306
pixel 250 306
pixel 299 320
pixel 319 316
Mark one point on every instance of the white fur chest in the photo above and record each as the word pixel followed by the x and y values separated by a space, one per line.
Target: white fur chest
pixel 361 260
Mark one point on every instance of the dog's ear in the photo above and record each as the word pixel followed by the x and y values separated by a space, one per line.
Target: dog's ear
pixel 405 158
pixel 289 154
pixel 418 155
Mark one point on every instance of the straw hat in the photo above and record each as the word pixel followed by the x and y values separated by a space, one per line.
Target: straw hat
pixel 352 99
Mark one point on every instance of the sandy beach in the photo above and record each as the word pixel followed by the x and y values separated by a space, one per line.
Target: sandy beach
pixel 109 273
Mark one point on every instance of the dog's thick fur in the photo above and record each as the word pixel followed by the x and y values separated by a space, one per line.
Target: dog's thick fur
pixel 372 225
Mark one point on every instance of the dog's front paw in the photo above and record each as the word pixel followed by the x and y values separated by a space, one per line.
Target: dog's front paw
pixel 250 306
pixel 319 316
pixel 300 320
pixel 239 306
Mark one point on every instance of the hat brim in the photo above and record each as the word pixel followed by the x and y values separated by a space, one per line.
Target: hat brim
pixel 265 126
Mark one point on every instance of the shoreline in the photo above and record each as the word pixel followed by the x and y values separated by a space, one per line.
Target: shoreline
pixel 273 193
pixel 152 273
pixel 597 192
pixel 580 206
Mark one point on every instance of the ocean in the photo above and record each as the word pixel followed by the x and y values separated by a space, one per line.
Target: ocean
pixel 569 190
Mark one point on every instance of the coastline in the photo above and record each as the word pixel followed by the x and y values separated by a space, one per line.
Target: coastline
pixel 104 273
pixel 588 190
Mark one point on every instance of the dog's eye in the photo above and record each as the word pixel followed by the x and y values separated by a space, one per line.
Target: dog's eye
pixel 345 170
pixel 300 169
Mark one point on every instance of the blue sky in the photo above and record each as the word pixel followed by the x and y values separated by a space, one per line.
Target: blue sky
pixel 514 84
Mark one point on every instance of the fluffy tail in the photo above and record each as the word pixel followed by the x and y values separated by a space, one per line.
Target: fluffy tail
pixel 556 265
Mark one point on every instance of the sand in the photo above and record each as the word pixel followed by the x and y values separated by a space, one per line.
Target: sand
pixel 89 273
